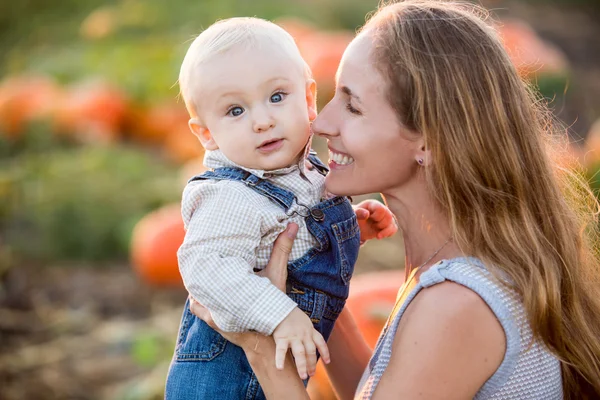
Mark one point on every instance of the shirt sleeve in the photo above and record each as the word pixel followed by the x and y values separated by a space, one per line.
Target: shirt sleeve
pixel 217 257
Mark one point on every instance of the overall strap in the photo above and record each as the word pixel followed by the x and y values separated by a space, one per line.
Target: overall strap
pixel 282 197
pixel 317 163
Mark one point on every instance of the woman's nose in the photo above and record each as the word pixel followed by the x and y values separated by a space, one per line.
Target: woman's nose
pixel 324 124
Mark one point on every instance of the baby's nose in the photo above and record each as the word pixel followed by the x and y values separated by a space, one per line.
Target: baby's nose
pixel 263 124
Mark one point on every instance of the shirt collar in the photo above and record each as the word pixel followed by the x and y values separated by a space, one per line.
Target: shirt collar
pixel 217 159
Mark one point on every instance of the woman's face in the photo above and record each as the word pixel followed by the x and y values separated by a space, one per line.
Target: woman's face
pixel 369 150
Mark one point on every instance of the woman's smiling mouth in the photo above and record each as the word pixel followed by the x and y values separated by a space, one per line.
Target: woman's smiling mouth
pixel 339 158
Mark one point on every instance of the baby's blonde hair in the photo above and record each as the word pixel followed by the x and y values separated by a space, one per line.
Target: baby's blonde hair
pixel 223 36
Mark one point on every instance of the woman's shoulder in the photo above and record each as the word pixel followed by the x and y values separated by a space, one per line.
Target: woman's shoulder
pixel 487 295
pixel 473 275
pixel 450 332
pixel 453 314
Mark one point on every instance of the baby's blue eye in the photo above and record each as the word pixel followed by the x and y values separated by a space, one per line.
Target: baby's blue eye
pixel 276 98
pixel 235 111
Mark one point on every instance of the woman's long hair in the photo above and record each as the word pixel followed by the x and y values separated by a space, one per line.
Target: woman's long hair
pixel 508 202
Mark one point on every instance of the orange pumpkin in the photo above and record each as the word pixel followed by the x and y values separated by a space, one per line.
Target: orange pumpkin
pixel 154 244
pixel 24 99
pixel 182 145
pixel 529 53
pixel 94 111
pixel 323 52
pixel 319 387
pixel 153 124
pixel 296 27
pixel 372 298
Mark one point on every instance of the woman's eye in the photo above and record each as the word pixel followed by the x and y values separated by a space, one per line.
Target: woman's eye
pixel 277 97
pixel 352 109
pixel 235 111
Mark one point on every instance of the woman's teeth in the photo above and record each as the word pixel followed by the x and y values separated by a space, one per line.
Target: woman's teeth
pixel 340 159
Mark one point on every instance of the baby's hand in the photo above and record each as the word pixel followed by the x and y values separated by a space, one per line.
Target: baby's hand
pixel 375 220
pixel 297 332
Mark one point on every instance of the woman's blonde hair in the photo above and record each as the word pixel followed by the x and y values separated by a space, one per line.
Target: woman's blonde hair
pixel 508 203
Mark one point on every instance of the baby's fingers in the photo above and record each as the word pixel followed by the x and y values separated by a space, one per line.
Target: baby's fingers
pixel 281 348
pixel 321 346
pixel 362 213
pixel 388 231
pixel 378 213
pixel 311 356
pixel 299 357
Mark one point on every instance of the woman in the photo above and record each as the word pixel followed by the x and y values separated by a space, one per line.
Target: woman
pixel 500 300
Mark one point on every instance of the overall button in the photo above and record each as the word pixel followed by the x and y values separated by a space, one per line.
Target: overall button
pixel 317 215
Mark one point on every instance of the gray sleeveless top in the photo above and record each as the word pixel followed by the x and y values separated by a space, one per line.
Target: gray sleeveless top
pixel 528 371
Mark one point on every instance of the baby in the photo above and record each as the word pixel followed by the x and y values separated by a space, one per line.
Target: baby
pixel 251 99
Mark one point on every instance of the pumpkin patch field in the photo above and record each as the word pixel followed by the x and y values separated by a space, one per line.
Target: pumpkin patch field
pixel 95 151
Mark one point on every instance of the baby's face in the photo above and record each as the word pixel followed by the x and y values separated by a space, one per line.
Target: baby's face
pixel 256 104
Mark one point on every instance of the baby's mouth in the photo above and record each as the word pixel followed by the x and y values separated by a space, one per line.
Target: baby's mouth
pixel 270 145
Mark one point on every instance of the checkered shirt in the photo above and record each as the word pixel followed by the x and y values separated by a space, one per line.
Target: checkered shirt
pixel 230 230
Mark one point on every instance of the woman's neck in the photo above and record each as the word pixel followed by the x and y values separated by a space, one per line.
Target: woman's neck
pixel 424 228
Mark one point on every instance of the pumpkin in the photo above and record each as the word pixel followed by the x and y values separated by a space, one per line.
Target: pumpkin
pixel 24 99
pixel 372 298
pixel 296 27
pixel 92 111
pixel 182 145
pixel 319 387
pixel 323 52
pixel 154 244
pixel 154 123
pixel 529 53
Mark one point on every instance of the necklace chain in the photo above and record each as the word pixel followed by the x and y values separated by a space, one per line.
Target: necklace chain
pixel 411 277
pixel 434 254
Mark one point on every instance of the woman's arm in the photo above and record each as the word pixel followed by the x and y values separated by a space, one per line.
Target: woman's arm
pixel 260 351
pixel 276 384
pixel 349 356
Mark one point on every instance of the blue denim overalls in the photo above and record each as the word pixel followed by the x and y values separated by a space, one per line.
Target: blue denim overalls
pixel 205 365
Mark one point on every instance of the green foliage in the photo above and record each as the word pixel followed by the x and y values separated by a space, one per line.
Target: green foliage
pixel 147 39
pixel 80 203
pixel 150 348
pixel 553 86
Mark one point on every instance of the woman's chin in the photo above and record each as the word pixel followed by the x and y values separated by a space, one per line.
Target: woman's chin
pixel 340 187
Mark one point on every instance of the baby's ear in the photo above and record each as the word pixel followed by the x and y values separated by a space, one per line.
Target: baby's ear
pixel 203 134
pixel 311 99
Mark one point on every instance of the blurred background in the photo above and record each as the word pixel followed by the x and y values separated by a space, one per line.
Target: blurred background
pixel 95 151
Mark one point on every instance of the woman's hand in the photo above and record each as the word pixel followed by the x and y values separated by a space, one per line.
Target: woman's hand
pixel 276 271
pixel 239 339
pixel 375 220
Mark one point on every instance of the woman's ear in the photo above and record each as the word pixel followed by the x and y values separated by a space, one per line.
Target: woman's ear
pixel 203 134
pixel 311 99
pixel 423 155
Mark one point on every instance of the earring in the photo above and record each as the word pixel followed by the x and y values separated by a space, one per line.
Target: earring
pixel 420 161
